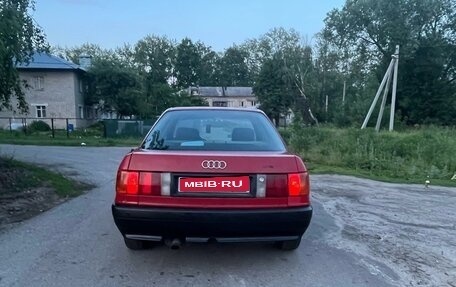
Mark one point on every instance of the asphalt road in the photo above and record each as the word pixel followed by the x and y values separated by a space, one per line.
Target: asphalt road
pixel 77 243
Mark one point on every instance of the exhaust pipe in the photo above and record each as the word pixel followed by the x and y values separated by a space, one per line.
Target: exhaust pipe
pixel 174 243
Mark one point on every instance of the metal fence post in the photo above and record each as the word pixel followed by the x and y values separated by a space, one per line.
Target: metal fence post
pixel 52 127
pixel 24 124
pixel 104 129
pixel 67 128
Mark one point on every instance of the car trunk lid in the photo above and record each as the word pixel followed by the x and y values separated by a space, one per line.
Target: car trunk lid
pixel 215 162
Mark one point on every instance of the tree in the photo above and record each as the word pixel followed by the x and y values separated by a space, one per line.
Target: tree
pixel 233 68
pixel 138 80
pixel 188 64
pixel 294 59
pixel 196 65
pixel 263 48
pixel 209 73
pixel 72 54
pixel 113 86
pixel 114 83
pixel 155 56
pixel 273 89
pixel 20 37
pixel 126 55
pixel 426 32
pixel 159 97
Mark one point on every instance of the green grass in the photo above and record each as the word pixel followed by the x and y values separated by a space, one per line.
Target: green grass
pixel 61 139
pixel 22 176
pixel 411 156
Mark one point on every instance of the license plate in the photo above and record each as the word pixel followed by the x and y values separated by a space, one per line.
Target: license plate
pixel 235 184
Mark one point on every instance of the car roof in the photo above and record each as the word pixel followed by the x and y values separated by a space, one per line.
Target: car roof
pixel 201 108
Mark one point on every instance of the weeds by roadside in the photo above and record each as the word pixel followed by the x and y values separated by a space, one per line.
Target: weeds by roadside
pixel 76 138
pixel 27 190
pixel 17 176
pixel 411 156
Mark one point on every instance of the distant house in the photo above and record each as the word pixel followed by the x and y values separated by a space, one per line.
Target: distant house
pixel 226 96
pixel 55 89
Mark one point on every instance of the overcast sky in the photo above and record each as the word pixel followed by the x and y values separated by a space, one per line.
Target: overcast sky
pixel 218 23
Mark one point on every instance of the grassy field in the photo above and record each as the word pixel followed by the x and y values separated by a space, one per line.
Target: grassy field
pixel 75 139
pixel 411 156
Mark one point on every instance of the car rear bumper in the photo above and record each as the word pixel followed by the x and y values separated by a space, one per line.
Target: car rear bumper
pixel 156 224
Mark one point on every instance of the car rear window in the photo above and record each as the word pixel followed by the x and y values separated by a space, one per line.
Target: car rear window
pixel 221 130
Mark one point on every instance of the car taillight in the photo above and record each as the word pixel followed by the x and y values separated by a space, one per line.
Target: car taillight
pixel 287 185
pixel 276 185
pixel 127 182
pixel 298 184
pixel 294 187
pixel 298 189
pixel 134 183
pixel 149 183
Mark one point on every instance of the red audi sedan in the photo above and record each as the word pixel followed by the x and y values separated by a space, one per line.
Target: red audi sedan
pixel 204 174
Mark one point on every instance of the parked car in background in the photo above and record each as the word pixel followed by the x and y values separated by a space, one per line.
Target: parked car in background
pixel 205 173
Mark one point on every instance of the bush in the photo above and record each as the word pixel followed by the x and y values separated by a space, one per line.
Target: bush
pixel 95 129
pixel 38 126
pixel 286 134
pixel 98 126
pixel 411 154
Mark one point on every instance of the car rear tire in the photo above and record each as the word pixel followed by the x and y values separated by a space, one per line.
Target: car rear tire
pixel 134 244
pixel 288 244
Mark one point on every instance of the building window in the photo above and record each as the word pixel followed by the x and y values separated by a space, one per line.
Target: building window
pixel 242 103
pixel 80 112
pixel 40 111
pixel 253 103
pixel 219 104
pixel 38 83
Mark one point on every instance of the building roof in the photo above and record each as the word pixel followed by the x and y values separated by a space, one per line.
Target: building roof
pixel 48 61
pixel 222 91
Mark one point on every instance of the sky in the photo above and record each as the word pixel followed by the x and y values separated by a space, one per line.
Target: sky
pixel 217 23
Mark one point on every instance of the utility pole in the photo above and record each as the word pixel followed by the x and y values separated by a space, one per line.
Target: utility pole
pixel 374 102
pixel 391 72
pixel 393 100
pixel 343 93
pixel 382 106
pixel 326 104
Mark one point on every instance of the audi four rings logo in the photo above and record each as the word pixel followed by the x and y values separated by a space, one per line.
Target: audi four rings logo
pixel 213 164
